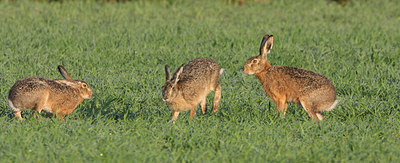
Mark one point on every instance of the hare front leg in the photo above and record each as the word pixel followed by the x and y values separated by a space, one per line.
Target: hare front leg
pixel 281 104
pixel 217 97
pixel 286 106
pixel 175 116
pixel 192 113
pixel 203 105
pixel 60 115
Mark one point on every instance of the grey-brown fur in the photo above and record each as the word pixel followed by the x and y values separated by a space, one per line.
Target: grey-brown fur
pixel 284 84
pixel 60 96
pixel 191 84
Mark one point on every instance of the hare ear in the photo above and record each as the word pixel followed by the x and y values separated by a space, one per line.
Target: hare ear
pixel 266 44
pixel 167 73
pixel 177 74
pixel 64 72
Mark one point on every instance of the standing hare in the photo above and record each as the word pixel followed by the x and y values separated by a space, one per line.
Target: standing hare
pixel 289 84
pixel 190 85
pixel 60 96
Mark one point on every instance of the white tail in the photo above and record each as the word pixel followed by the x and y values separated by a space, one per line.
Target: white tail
pixel 12 106
pixel 221 71
pixel 332 106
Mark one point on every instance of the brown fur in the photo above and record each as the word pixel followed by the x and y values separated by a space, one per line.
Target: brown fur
pixel 284 84
pixel 60 96
pixel 191 84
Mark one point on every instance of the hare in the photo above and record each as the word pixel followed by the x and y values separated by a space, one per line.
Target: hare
pixel 284 84
pixel 60 96
pixel 190 85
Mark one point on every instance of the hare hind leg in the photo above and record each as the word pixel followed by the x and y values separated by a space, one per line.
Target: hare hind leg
pixel 319 116
pixel 324 108
pixel 217 98
pixel 308 108
pixel 38 107
pixel 17 111
pixel 18 115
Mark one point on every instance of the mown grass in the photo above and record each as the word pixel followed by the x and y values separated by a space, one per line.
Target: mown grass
pixel 120 49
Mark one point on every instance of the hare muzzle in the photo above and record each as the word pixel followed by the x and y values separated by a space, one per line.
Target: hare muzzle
pixel 89 96
pixel 247 70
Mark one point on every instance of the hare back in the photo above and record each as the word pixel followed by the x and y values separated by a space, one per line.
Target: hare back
pixel 306 80
pixel 199 68
pixel 31 84
pixel 199 76
pixel 292 82
pixel 34 84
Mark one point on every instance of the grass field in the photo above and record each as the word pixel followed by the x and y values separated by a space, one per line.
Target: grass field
pixel 120 49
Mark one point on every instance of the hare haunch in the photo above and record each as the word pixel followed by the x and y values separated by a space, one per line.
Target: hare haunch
pixel 284 84
pixel 60 96
pixel 190 85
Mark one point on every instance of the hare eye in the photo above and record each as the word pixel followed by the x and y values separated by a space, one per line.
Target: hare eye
pixel 255 61
pixel 84 85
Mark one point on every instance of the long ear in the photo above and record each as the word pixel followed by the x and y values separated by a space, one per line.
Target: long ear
pixel 64 72
pixel 177 74
pixel 266 44
pixel 167 73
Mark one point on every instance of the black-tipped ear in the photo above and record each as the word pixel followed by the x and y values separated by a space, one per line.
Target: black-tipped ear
pixel 167 73
pixel 266 44
pixel 177 73
pixel 64 72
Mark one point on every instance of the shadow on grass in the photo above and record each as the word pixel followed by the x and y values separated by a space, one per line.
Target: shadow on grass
pixel 353 110
pixel 26 114
pixel 116 108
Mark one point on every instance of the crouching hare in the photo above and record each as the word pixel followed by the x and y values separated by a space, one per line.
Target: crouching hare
pixel 190 85
pixel 285 84
pixel 59 97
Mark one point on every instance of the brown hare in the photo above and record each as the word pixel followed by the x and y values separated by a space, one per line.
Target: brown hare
pixel 284 84
pixel 190 85
pixel 60 96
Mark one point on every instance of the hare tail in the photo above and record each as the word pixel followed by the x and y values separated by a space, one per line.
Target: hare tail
pixel 221 71
pixel 12 106
pixel 333 105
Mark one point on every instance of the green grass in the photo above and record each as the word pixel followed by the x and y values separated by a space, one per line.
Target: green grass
pixel 120 49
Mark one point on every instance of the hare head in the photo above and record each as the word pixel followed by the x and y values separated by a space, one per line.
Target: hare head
pixel 170 90
pixel 259 63
pixel 84 89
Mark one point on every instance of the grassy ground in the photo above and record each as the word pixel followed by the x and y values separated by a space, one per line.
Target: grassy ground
pixel 120 49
